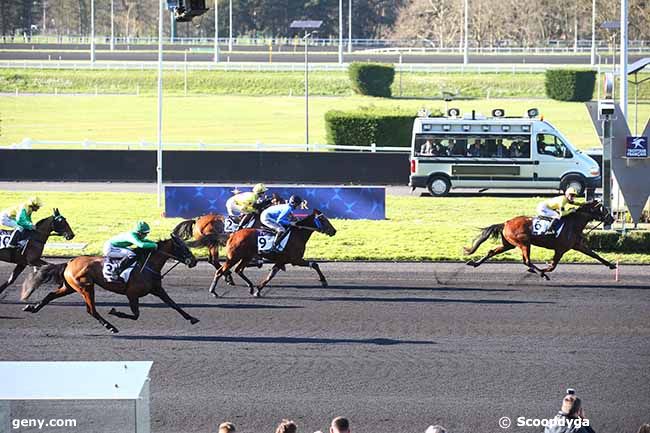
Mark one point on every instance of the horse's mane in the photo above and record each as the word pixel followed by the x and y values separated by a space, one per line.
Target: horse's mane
pixel 44 220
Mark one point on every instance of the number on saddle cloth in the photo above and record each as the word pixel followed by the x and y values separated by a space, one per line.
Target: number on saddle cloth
pixel 110 264
pixel 265 240
pixel 230 224
pixel 5 237
pixel 541 225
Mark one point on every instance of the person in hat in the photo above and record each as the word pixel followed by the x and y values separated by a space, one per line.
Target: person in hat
pixel 19 218
pixel 557 207
pixel 243 203
pixel 119 247
pixel 571 417
pixel 280 217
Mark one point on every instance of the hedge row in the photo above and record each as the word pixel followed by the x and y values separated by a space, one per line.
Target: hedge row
pixel 362 127
pixel 570 85
pixel 635 242
pixel 372 79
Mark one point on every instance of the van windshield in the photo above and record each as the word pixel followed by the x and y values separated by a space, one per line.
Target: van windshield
pixel 548 144
pixel 472 146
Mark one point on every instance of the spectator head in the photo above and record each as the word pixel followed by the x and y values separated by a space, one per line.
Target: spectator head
pixel 340 425
pixel 645 428
pixel 226 427
pixel 436 429
pixel 572 406
pixel 287 426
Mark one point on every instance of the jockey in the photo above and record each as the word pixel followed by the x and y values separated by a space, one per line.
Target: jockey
pixel 116 247
pixel 20 219
pixel 279 217
pixel 244 203
pixel 557 207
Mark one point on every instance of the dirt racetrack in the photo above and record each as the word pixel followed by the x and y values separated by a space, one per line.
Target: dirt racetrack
pixel 395 347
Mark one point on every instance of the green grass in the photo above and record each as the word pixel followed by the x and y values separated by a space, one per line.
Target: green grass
pixel 236 119
pixel 416 228
pixel 331 83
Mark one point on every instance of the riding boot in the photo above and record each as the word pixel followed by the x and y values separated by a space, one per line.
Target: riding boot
pixel 123 265
pixel 276 241
pixel 553 227
pixel 244 221
pixel 16 236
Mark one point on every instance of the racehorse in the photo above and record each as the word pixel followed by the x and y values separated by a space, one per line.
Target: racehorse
pixel 517 232
pixel 242 248
pixel 33 250
pixel 210 231
pixel 82 273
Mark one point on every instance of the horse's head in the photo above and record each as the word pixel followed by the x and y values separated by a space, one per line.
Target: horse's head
pixel 60 225
pixel 597 211
pixel 178 250
pixel 322 224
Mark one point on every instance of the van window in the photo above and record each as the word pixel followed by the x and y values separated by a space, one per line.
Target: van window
pixel 472 146
pixel 548 144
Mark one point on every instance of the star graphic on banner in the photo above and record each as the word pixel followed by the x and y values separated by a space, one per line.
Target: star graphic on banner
pixel 199 191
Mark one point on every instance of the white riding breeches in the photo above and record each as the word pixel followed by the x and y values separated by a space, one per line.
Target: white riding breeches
pixel 6 221
pixel 546 211
pixel 113 252
pixel 232 207
pixel 272 224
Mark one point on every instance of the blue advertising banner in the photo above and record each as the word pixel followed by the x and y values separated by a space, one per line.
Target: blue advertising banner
pixel 346 202
pixel 637 147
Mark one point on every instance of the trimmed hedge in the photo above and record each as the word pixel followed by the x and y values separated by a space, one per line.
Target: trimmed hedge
pixel 636 242
pixel 570 85
pixel 373 79
pixel 367 125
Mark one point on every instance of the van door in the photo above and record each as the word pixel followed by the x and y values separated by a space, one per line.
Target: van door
pixel 555 160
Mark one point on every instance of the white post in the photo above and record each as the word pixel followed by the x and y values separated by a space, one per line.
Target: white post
pixel 306 91
pixel 216 31
pixel 159 167
pixel 112 25
pixel 350 26
pixel 230 29
pixel 44 17
pixel 575 29
pixel 623 67
pixel 593 32
pixel 92 32
pixel 466 38
pixel 340 31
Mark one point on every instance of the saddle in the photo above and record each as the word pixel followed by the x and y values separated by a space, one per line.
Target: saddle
pixel 5 236
pixel 232 223
pixel 110 264
pixel 543 225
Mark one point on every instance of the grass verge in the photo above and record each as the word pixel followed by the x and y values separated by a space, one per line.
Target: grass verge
pixel 416 228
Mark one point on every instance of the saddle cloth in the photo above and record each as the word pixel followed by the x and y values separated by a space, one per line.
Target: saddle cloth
pixel 231 224
pixel 265 241
pixel 541 225
pixel 110 265
pixel 5 235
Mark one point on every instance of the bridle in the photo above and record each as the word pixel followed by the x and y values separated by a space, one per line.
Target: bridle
pixel 177 259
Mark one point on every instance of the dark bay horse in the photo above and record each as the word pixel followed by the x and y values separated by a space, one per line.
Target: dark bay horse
pixel 31 255
pixel 82 273
pixel 242 248
pixel 517 232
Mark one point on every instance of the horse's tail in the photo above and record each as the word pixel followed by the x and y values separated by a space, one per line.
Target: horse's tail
pixel 493 231
pixel 184 229
pixel 44 274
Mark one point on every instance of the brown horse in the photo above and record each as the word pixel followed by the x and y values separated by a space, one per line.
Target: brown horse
pixel 82 273
pixel 242 248
pixel 31 255
pixel 517 232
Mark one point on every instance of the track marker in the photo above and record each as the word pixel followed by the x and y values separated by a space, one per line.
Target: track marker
pixel 616 271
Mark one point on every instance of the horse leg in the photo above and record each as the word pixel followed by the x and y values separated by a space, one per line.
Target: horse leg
pixel 14 274
pixel 584 249
pixel 314 266
pixel 213 252
pixel 134 304
pixel 58 293
pixel 218 274
pixel 525 256
pixel 88 293
pixel 162 294
pixel 266 280
pixel 239 270
pixel 556 259
pixel 493 252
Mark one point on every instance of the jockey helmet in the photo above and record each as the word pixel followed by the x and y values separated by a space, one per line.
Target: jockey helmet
pixel 570 191
pixel 34 202
pixel 142 227
pixel 295 200
pixel 260 188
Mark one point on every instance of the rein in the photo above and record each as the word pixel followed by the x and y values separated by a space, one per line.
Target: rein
pixel 594 227
pixel 145 267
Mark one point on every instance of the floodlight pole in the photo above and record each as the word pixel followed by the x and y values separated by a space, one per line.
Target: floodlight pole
pixel 623 68
pixel 216 31
pixel 112 25
pixel 593 32
pixel 340 31
pixel 92 32
pixel 350 26
pixel 159 166
pixel 466 38
pixel 230 29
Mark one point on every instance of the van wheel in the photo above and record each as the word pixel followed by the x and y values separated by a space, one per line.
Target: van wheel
pixel 575 182
pixel 439 186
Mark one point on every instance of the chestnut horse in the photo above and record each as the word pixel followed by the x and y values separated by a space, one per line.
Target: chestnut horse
pixel 31 254
pixel 242 248
pixel 517 232
pixel 82 273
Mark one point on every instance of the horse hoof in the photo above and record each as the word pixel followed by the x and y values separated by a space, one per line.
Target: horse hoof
pixel 194 320
pixel 251 290
pixel 532 271
pixel 324 284
pixel 215 294
pixel 113 330
pixel 29 308
pixel 546 277
pixel 112 312
pixel 257 294
pixel 612 266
